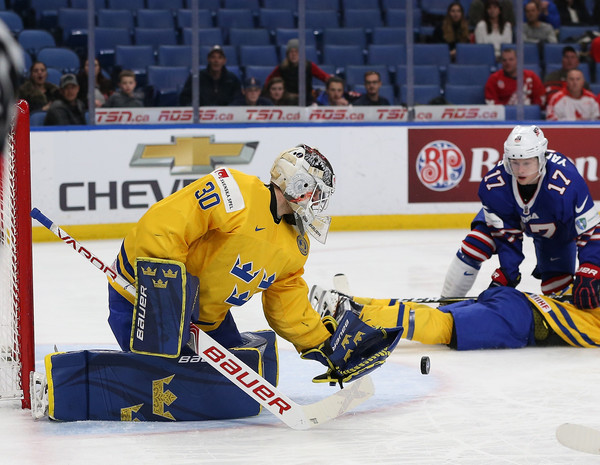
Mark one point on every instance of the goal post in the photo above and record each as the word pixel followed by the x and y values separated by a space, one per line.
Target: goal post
pixel 17 353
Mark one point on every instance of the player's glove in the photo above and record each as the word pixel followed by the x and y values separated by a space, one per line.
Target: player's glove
pixel 499 278
pixel 353 350
pixel 587 286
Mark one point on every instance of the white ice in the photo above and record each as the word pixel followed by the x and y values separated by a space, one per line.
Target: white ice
pixel 478 407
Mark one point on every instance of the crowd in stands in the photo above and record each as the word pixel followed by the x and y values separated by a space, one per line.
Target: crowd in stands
pixel 464 53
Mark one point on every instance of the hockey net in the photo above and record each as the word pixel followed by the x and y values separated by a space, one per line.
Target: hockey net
pixel 17 358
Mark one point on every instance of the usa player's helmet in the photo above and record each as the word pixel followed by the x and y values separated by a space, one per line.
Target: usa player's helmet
pixel 307 181
pixel 525 142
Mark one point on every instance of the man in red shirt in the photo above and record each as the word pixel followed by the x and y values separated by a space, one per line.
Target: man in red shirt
pixel 573 103
pixel 501 86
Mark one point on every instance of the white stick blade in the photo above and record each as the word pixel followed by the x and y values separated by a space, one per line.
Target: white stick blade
pixel 579 437
pixel 341 284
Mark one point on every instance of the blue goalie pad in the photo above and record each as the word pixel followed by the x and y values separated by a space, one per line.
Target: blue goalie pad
pixel 124 386
pixel 167 300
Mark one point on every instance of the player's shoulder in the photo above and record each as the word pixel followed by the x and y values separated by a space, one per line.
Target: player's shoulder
pixel 556 159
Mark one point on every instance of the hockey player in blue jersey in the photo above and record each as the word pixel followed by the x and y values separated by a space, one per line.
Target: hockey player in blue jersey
pixel 539 193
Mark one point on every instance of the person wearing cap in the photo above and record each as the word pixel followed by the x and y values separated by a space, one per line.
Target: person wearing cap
pixel 251 95
pixel 557 80
pixel 288 71
pixel 218 86
pixel 67 109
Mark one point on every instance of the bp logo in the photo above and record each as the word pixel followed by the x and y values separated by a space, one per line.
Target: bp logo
pixel 440 165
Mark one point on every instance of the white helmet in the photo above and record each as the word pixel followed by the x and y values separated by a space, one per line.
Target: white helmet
pixel 525 142
pixel 307 181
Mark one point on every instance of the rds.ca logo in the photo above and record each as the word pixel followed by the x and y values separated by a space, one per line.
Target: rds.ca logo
pixel 440 165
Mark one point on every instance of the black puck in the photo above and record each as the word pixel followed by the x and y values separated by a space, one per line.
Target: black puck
pixel 425 365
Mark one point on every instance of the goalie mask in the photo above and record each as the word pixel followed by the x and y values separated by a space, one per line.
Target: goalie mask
pixel 525 142
pixel 307 181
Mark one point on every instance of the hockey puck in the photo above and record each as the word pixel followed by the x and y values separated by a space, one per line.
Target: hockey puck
pixel 425 365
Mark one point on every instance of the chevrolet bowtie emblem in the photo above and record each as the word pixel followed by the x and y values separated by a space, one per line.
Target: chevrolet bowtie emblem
pixel 193 155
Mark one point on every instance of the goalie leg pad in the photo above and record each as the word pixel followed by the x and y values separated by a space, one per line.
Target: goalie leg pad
pixel 167 300
pixel 124 386
pixel 354 349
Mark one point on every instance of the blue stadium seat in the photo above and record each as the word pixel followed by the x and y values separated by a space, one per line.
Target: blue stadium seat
pixel 475 54
pixel 158 19
pixel 166 83
pixel 13 21
pixel 131 5
pixel 155 37
pixel 46 12
pixel 33 40
pixel 321 5
pixel 264 55
pixel 359 4
pixel 422 75
pixel 54 76
pixel 205 18
pixel 531 53
pixel 317 20
pixel 175 55
pixel 389 35
pixel 355 74
pixel 568 34
pixel 107 39
pixel 135 57
pixel 342 56
pixel 235 18
pixel 116 18
pixel 423 94
pixel 238 36
pixel 63 59
pixel 212 5
pixel 98 4
pixel 37 118
pixel 206 36
pixel 283 35
pixel 345 36
pixel 258 72
pixel 467 74
pixel 168 4
pixel 70 19
pixel 434 7
pixel 272 19
pixel 364 18
pixel 531 113
pixel 389 55
pixel 27 62
pixel 291 5
pixel 252 5
pixel 386 90
pixel 398 4
pixel 397 18
pixel 431 54
pixel 465 94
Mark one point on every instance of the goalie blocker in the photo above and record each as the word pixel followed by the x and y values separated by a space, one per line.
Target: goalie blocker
pixel 160 379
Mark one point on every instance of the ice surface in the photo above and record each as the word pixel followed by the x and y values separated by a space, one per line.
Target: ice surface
pixel 479 407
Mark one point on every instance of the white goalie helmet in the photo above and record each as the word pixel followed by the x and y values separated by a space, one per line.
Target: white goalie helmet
pixel 525 142
pixel 307 181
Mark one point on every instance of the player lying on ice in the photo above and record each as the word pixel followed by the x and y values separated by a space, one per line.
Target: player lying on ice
pixel 192 257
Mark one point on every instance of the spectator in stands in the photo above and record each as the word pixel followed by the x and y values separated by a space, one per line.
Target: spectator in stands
pixel 334 93
pixel 492 29
pixel 477 9
pixel 573 13
pixel 37 91
pixel 453 28
pixel 534 30
pixel 276 93
pixel 218 85
pixel 501 86
pixel 372 85
pixel 549 13
pixel 251 95
pixel 288 71
pixel 557 80
pixel 67 109
pixel 574 103
pixel 126 96
pixel 103 89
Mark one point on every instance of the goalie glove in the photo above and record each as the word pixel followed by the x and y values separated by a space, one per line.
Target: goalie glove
pixel 587 286
pixel 353 350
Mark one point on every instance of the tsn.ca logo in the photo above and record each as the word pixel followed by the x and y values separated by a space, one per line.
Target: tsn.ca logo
pixel 440 165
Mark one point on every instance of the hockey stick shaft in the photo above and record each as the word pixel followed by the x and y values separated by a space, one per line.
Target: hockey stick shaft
pixel 294 415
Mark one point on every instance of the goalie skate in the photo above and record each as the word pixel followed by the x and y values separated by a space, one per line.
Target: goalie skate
pixel 38 391
pixel 324 301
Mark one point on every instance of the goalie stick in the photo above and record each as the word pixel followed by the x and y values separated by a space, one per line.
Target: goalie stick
pixel 296 416
pixel 579 437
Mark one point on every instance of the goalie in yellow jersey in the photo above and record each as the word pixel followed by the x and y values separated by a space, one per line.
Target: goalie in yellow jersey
pixel 235 237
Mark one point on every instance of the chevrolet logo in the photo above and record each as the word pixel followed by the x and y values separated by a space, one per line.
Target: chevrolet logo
pixel 193 155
